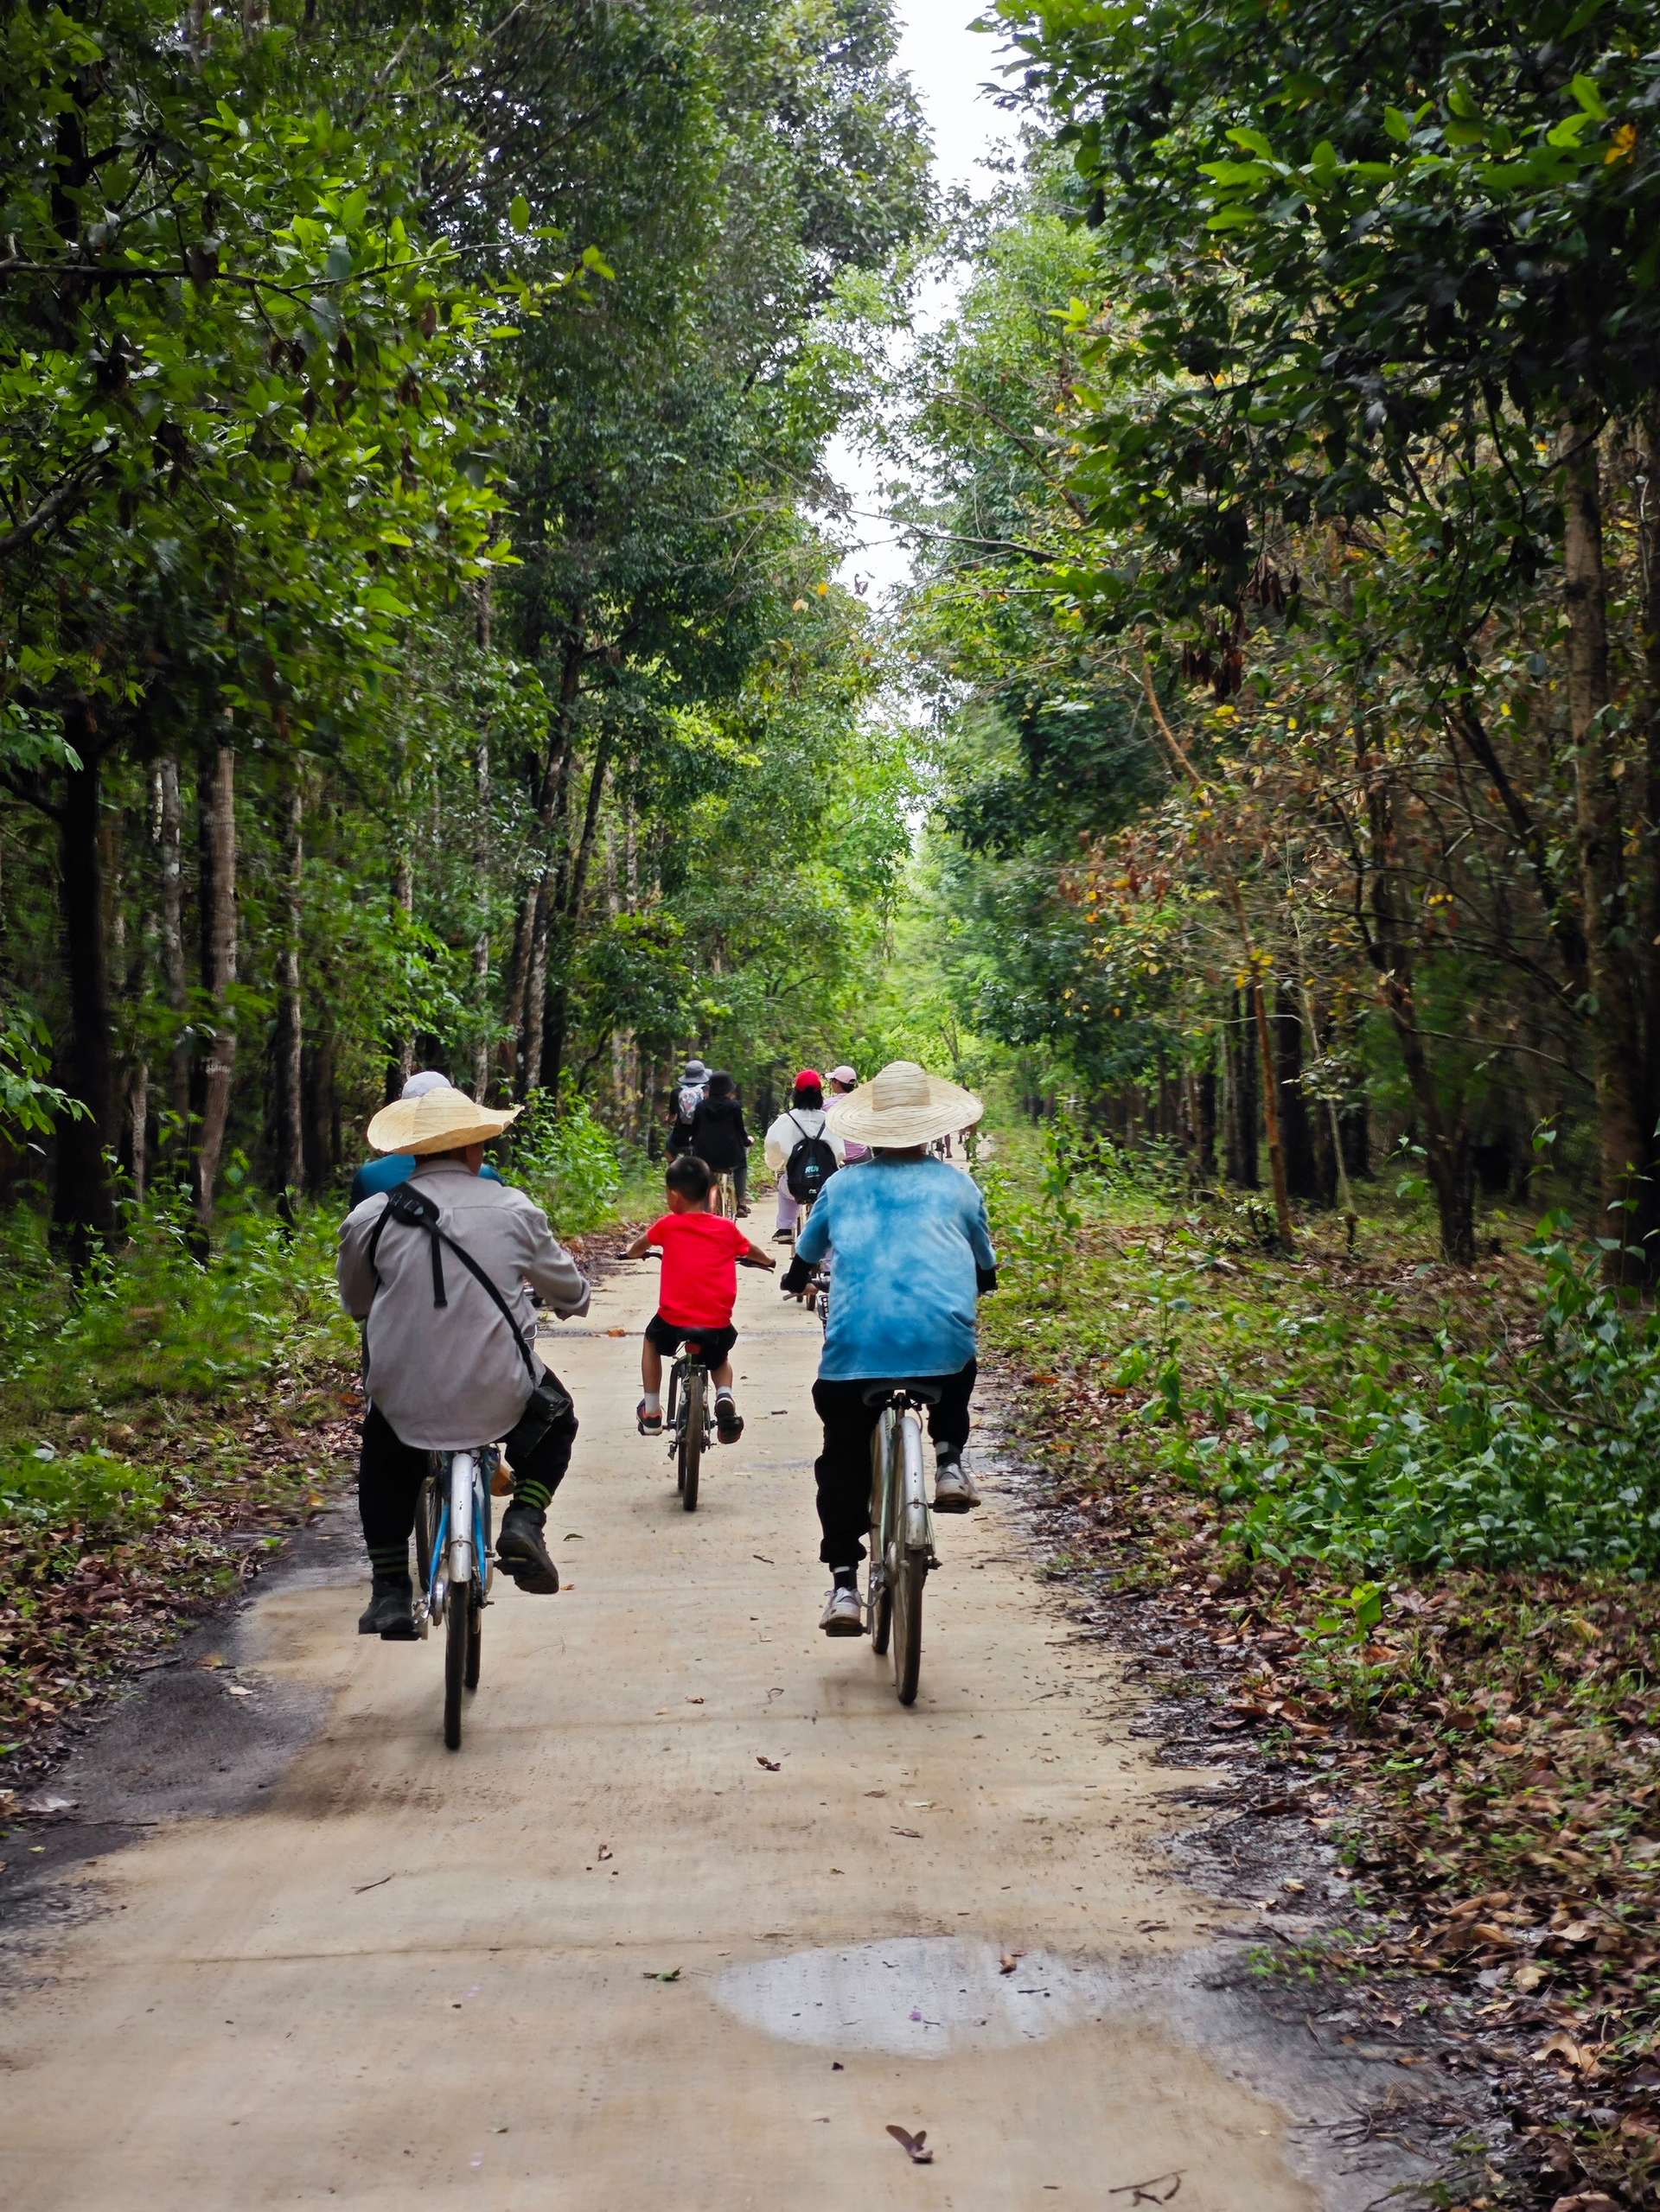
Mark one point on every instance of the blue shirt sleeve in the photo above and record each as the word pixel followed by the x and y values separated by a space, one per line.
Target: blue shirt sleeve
pixel 980 1232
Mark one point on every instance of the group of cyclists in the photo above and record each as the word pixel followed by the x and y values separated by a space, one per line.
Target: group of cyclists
pixel 445 1265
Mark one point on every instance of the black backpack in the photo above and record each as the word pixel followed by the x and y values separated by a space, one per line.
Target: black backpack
pixel 809 1167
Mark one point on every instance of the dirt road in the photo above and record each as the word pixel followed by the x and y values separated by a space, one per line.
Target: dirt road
pixel 696 1914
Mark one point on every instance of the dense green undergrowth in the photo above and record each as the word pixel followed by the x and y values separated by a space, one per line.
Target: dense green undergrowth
pixel 1404 1519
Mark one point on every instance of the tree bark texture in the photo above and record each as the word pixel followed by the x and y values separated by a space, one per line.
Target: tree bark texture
pixel 1447 1139
pixel 1302 1172
pixel 1243 1119
pixel 1623 1148
pixel 289 1044
pixel 218 802
pixel 169 834
pixel 83 1198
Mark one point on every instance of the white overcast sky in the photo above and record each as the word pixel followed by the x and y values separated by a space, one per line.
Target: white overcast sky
pixel 949 64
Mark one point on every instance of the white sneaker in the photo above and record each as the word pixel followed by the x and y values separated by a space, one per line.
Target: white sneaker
pixel 842 1615
pixel 953 1491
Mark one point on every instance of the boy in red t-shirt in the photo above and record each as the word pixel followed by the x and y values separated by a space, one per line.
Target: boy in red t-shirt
pixel 700 1253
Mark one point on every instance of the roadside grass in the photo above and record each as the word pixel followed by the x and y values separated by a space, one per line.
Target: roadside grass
pixel 1414 1515
pixel 161 1426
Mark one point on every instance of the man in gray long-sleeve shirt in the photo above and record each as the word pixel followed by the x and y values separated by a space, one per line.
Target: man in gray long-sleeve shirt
pixel 446 1374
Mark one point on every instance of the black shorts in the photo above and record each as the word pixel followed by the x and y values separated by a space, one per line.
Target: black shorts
pixel 668 1336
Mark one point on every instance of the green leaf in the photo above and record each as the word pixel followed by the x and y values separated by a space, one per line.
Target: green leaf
pixel 519 214
pixel 1398 124
pixel 1584 90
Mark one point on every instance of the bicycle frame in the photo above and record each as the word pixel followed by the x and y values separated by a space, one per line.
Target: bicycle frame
pixel 461 1551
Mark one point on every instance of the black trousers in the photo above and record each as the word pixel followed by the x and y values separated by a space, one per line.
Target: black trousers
pixel 843 1467
pixel 390 1473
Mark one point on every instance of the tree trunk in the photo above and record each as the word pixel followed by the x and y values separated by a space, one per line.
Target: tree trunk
pixel 1204 1121
pixel 170 838
pixel 527 970
pixel 83 1199
pixel 218 802
pixel 290 1042
pixel 1623 1149
pixel 1447 1144
pixel 481 850
pixel 1302 1172
pixel 400 1064
pixel 1648 903
pixel 1243 1170
pixel 568 920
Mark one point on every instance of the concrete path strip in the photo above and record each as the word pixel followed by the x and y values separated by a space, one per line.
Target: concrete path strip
pixel 697 1916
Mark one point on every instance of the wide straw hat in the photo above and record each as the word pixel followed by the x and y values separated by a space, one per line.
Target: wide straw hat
pixel 902 1105
pixel 441 1120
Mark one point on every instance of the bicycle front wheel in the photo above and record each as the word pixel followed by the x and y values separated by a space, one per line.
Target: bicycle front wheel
pixel 692 1435
pixel 475 1638
pixel 457 1643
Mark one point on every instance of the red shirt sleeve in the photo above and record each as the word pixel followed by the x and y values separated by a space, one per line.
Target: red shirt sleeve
pixel 654 1233
pixel 740 1241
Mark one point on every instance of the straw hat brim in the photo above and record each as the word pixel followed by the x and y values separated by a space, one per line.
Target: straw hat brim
pixel 946 1108
pixel 437 1121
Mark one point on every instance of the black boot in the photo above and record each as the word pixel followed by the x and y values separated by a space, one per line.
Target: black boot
pixel 390 1613
pixel 520 1551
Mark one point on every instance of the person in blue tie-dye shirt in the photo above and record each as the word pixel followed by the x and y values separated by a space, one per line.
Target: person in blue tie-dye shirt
pixel 913 1254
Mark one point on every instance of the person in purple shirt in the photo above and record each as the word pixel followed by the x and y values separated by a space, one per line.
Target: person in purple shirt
pixel 913 1254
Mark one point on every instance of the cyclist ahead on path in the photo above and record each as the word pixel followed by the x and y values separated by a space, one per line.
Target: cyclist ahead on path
pixel 718 1137
pixel 441 1272
pixel 843 1081
pixel 698 1291
pixel 799 1132
pixel 913 1253
pixel 693 1089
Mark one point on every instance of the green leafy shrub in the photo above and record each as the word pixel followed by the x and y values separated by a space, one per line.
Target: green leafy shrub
pixel 94 1491
pixel 1546 1455
pixel 568 1160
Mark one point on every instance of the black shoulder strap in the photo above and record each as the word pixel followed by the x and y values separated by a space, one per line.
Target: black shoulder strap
pixel 417 1211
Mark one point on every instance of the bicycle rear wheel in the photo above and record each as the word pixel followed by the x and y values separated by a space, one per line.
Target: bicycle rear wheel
pixel 692 1436
pixel 908 1581
pixel 429 1511
pixel 457 1644
pixel 879 1599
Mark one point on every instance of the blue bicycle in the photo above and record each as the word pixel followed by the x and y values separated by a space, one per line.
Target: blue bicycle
pixel 452 1552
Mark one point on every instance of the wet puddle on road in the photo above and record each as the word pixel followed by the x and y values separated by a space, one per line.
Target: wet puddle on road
pixel 917 1997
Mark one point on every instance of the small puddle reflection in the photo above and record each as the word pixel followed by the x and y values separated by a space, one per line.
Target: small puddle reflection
pixel 917 1997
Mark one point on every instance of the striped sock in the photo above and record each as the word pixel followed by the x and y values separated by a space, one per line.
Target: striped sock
pixel 526 1492
pixel 389 1559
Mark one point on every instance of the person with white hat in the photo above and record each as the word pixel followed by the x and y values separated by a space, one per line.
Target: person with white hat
pixel 842 1080
pixel 913 1253
pixel 385 1174
pixel 441 1272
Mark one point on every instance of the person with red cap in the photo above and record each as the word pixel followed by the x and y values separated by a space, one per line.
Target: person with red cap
pixel 802 1152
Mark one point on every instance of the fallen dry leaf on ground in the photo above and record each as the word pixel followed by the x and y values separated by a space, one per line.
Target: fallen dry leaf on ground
pixel 912 2145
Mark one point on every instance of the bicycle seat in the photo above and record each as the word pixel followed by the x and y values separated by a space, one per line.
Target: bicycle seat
pixel 920 1393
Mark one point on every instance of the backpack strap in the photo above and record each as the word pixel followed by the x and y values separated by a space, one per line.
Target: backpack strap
pixel 416 1210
